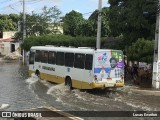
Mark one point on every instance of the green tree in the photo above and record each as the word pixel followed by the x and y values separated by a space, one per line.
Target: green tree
pixel 87 28
pixel 8 22
pixel 127 19
pixel 92 23
pixel 42 23
pixel 72 23
pixel 141 50
pixel 51 15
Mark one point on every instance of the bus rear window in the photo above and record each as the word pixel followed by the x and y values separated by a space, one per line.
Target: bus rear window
pixel 88 62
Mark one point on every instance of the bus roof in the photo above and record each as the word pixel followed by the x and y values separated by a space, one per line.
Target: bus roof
pixel 68 49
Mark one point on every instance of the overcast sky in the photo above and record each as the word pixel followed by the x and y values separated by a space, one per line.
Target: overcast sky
pixel 82 6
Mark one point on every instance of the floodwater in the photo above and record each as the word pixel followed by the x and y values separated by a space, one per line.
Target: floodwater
pixel 20 92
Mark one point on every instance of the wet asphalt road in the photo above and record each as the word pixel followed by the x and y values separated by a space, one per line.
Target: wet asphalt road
pixel 21 92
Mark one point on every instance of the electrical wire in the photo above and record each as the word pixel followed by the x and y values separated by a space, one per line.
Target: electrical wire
pixel 5 1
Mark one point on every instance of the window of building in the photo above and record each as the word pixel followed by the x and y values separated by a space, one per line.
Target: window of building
pixel 52 57
pixel 88 62
pixel 69 59
pixel 60 58
pixel 79 61
pixel 38 56
pixel 1 34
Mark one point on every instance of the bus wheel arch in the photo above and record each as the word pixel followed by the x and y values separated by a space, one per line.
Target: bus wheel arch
pixel 68 82
pixel 37 73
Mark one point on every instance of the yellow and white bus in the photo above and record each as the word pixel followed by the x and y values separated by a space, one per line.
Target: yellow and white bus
pixel 82 68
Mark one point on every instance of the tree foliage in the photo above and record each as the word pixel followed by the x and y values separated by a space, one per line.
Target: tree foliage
pixel 65 40
pixel 127 19
pixel 41 23
pixel 105 30
pixel 72 23
pixel 8 22
pixel 141 51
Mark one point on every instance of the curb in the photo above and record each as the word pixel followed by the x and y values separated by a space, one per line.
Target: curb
pixel 72 117
pixel 146 92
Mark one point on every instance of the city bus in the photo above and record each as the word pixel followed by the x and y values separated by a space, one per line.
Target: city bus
pixel 82 67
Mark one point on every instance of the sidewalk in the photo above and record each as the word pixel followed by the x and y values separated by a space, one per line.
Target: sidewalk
pixel 155 92
pixel 139 90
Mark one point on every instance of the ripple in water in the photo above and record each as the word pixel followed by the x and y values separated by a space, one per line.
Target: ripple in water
pixel 59 89
pixel 4 106
pixel 33 79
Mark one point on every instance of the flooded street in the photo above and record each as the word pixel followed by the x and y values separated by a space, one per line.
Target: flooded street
pixel 21 92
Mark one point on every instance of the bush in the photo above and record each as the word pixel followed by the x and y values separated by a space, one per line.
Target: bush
pixel 141 51
pixel 64 40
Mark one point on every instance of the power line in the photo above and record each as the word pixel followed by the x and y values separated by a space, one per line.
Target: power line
pixel 31 1
pixel 5 1
pixel 9 6
pixel 87 13
pixel 13 8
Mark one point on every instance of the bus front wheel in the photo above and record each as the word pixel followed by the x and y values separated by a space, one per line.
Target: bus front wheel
pixel 68 83
pixel 37 73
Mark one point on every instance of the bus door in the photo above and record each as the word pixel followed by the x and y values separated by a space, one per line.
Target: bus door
pixel 88 72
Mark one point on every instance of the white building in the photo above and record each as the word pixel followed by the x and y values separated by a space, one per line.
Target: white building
pixel 7 44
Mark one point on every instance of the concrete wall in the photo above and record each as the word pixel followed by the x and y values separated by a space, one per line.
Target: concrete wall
pixel 9 34
pixel 6 49
pixel 17 45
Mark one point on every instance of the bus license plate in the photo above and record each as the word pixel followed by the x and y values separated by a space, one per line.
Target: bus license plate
pixel 110 84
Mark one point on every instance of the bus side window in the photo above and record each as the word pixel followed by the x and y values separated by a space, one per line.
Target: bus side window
pixel 60 58
pixel 44 57
pixel 69 59
pixel 38 56
pixel 31 58
pixel 52 57
pixel 88 62
pixel 79 61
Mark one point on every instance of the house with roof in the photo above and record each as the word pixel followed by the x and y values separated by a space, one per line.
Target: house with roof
pixel 7 43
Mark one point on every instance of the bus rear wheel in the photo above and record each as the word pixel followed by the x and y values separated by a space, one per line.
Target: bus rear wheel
pixel 68 83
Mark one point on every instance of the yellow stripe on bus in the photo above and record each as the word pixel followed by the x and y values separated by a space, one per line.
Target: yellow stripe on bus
pixel 75 83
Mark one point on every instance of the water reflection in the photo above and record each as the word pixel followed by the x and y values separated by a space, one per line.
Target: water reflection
pixel 13 88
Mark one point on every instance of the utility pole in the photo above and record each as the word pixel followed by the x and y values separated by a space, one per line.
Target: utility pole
pixel 98 42
pixel 24 28
pixel 156 59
